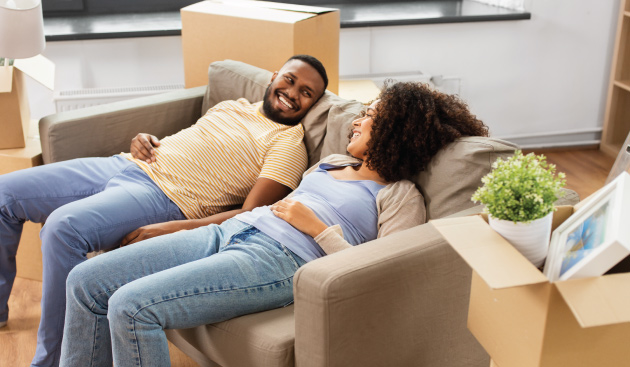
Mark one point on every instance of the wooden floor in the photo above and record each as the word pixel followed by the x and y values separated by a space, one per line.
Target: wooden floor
pixel 586 172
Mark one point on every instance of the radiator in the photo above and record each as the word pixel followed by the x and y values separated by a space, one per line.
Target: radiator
pixel 80 98
pixel 445 84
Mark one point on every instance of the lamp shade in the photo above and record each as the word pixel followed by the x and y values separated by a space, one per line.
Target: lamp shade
pixel 21 29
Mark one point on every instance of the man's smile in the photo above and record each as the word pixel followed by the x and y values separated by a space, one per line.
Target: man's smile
pixel 285 103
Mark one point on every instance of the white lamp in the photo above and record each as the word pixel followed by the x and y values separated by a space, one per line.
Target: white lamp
pixel 21 29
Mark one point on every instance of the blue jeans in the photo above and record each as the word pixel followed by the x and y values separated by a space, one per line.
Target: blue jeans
pixel 119 303
pixel 88 205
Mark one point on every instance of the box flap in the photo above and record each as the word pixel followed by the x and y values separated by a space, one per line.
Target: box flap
pixel 232 9
pixel 598 301
pixel 498 263
pixel 277 6
pixel 6 79
pixel 39 68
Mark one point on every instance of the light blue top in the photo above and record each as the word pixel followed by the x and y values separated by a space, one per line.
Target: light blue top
pixel 349 203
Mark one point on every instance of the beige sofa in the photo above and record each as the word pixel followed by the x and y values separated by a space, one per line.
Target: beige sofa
pixel 396 301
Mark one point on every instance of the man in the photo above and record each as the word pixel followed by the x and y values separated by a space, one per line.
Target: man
pixel 237 154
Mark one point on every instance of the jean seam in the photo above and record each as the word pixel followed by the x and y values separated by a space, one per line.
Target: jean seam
pixel 289 255
pixel 94 344
pixel 209 292
pixel 135 341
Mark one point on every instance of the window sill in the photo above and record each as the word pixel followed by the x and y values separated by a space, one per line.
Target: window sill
pixel 352 15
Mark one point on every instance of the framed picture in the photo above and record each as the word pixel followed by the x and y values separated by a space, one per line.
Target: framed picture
pixel 595 237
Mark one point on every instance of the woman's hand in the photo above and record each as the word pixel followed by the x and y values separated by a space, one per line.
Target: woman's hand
pixel 299 216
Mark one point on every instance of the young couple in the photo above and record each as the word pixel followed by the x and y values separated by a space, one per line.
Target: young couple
pixel 119 303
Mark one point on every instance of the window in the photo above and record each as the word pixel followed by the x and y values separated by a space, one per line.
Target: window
pixel 76 7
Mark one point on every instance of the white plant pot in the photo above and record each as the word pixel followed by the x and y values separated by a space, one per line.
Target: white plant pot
pixel 530 239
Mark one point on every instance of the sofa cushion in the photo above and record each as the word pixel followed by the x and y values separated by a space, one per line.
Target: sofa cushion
pixel 229 80
pixel 455 173
pixel 264 339
pixel 340 119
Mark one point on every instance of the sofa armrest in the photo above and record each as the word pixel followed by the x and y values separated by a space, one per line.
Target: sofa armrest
pixel 105 130
pixel 401 300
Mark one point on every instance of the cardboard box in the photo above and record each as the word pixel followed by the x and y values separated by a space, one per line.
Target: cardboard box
pixel 21 158
pixel 29 256
pixel 260 33
pixel 521 319
pixel 15 117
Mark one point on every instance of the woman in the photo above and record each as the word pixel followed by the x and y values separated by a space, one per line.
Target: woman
pixel 121 301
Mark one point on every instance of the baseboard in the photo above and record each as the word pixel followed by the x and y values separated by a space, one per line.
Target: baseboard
pixel 584 138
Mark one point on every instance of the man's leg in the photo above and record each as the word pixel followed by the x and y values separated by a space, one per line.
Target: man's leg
pixel 32 194
pixel 99 222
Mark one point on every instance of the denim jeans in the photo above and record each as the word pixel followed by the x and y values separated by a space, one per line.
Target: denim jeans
pixel 88 205
pixel 119 303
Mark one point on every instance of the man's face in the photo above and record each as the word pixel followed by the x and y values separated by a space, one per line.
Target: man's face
pixel 292 92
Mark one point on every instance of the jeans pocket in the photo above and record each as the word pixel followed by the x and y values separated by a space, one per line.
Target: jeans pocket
pixel 295 259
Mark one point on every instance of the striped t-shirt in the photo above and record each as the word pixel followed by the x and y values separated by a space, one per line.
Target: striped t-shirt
pixel 212 165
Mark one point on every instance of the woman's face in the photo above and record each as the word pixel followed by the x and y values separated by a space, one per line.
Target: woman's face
pixel 362 132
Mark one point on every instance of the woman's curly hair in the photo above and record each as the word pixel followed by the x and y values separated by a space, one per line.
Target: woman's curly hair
pixel 412 123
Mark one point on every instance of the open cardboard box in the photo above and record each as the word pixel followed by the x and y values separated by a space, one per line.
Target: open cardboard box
pixel 521 319
pixel 259 33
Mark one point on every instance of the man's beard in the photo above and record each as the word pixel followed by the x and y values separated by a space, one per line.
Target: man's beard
pixel 275 115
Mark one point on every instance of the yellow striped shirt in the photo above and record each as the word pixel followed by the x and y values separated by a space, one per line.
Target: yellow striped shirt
pixel 213 164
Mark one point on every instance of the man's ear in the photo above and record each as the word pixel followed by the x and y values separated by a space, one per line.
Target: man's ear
pixel 273 77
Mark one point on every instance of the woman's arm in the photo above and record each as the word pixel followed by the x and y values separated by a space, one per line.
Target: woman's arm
pixel 401 206
pixel 330 239
pixel 299 216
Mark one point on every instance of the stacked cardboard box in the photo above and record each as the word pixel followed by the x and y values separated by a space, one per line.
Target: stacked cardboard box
pixel 260 33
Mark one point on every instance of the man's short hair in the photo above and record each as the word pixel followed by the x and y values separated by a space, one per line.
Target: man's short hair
pixel 316 64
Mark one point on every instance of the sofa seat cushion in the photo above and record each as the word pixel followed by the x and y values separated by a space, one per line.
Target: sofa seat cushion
pixel 264 339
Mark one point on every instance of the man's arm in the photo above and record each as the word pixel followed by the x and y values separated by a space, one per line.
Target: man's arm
pixel 264 192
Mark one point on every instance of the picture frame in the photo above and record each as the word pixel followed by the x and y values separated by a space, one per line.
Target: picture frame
pixel 595 238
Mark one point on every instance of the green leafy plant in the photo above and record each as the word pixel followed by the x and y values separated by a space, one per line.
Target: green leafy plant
pixel 521 188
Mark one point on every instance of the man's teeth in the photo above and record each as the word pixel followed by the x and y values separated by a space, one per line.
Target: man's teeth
pixel 285 102
pixel 356 135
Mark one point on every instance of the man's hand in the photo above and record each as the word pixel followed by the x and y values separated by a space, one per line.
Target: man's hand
pixel 299 216
pixel 153 230
pixel 142 147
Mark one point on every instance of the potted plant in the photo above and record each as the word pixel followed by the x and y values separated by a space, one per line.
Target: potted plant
pixel 519 195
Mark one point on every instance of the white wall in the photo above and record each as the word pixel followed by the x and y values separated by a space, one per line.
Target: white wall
pixel 541 81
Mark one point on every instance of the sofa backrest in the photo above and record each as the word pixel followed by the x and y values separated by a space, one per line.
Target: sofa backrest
pixel 229 80
pixel 455 173
pixel 447 183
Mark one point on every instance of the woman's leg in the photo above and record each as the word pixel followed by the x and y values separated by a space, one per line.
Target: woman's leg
pixel 86 339
pixel 250 273
pixel 127 201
